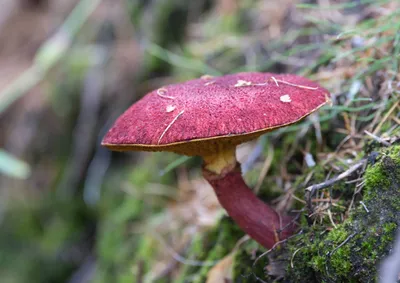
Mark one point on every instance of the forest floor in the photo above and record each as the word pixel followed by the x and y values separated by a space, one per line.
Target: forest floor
pixel 71 211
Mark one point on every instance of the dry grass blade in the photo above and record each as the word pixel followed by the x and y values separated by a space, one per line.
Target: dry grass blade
pixel 169 126
pixel 222 271
pixel 265 168
pixel 384 119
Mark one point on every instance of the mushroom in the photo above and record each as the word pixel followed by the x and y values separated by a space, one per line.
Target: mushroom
pixel 209 117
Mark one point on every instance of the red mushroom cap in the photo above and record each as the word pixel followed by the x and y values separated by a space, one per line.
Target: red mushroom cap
pixel 199 116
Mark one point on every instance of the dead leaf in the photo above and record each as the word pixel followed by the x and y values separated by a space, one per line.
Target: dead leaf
pixel 222 271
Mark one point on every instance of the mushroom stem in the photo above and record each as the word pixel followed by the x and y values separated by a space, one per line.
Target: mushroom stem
pixel 221 160
pixel 256 218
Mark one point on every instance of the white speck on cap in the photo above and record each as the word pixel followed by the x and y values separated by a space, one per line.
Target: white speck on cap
pixel 170 108
pixel 285 98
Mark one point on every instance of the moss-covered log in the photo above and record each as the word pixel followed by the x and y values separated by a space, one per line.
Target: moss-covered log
pixel 353 251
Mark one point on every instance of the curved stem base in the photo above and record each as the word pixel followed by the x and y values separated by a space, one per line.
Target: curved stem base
pixel 256 218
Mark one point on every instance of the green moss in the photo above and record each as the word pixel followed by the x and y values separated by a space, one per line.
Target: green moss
pixel 389 227
pixel 340 261
pixel 243 269
pixel 383 175
pixel 318 263
pixel 375 178
pixel 368 247
pixel 352 251
pixel 338 235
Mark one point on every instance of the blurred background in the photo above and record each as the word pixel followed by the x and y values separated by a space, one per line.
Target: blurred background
pixel 72 211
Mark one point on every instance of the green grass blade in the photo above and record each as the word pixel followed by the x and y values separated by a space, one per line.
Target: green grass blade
pixel 13 167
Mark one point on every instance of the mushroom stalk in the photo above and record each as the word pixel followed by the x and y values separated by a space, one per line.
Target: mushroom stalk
pixel 256 218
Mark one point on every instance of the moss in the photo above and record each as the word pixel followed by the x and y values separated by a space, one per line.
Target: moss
pixel 340 261
pixel 337 235
pixel 318 263
pixel 375 178
pixel 389 227
pixel 348 253
pixel 243 269
pixel 352 251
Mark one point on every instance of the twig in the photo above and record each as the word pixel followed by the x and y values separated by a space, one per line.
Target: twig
pixel 365 207
pixel 267 252
pixel 261 256
pixel 378 139
pixel 354 181
pixel 273 247
pixel 357 191
pixel 341 244
pixel 339 177
pixel 309 191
